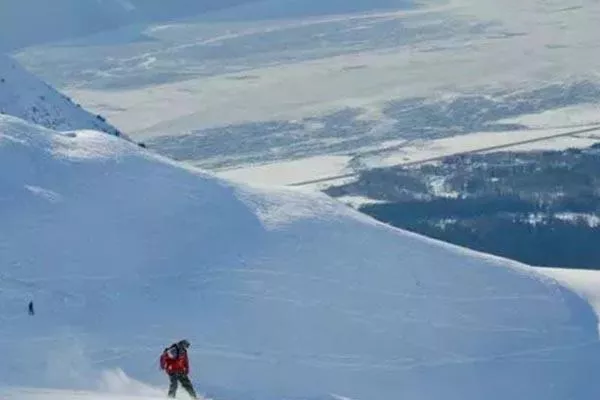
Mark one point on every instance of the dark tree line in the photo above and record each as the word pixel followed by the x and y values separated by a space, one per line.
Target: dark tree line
pixel 508 204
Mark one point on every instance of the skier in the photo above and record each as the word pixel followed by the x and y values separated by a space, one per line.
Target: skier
pixel 30 308
pixel 174 361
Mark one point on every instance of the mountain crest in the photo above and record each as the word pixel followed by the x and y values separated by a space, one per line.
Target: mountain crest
pixel 24 96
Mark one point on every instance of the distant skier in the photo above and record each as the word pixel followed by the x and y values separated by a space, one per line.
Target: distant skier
pixel 30 308
pixel 174 361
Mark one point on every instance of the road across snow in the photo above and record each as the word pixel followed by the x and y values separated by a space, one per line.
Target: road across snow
pixel 329 170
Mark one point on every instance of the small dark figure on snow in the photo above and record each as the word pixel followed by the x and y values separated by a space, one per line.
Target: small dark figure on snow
pixel 30 308
pixel 174 361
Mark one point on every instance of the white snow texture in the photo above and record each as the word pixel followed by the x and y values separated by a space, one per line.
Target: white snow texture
pixel 25 96
pixel 283 294
pixel 30 22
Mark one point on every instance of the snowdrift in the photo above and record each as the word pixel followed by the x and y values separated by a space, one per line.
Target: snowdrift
pixel 283 294
pixel 24 96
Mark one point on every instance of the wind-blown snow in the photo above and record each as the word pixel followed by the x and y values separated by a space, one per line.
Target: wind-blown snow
pixel 283 294
pixel 584 282
pixel 24 96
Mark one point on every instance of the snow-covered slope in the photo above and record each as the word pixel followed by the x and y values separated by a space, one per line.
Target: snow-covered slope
pixel 582 281
pixel 283 294
pixel 24 96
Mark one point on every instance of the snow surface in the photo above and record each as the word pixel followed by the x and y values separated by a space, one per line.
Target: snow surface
pixel 295 80
pixel 584 114
pixel 31 22
pixel 72 19
pixel 320 172
pixel 584 282
pixel 24 96
pixel 29 394
pixel 283 293
pixel 293 66
pixel 421 151
pixel 289 172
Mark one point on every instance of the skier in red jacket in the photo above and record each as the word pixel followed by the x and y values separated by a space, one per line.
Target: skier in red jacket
pixel 174 361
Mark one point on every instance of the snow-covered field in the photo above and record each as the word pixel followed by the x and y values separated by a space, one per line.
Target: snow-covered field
pixel 319 172
pixel 302 67
pixel 283 293
pixel 297 82
pixel 290 172
pixel 420 151
pixel 31 22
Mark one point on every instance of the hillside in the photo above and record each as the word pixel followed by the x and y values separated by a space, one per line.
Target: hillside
pixel 24 96
pixel 283 294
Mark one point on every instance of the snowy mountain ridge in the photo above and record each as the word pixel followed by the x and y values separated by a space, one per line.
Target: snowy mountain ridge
pixel 24 96
pixel 282 293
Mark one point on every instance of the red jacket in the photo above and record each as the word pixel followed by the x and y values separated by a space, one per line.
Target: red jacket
pixel 174 360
